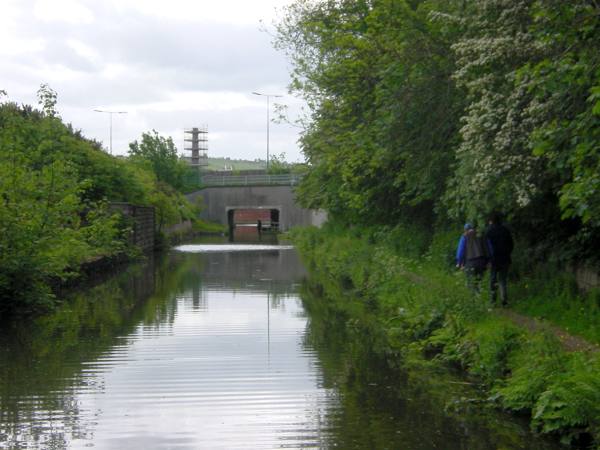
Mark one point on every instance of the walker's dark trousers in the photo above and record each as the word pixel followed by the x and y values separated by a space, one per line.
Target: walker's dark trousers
pixel 498 278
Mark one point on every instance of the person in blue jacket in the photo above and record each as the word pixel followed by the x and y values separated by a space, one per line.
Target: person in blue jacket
pixel 472 256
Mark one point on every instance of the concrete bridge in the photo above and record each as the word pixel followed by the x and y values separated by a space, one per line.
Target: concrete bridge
pixel 232 202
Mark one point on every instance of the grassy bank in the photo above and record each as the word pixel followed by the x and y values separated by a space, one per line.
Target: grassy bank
pixel 56 191
pixel 399 281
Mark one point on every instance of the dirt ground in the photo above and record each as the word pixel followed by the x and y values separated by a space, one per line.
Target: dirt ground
pixel 570 343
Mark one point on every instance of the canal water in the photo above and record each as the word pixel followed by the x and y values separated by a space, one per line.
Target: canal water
pixel 213 347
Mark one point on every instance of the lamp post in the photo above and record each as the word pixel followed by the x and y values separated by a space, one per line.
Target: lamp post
pixel 268 99
pixel 110 113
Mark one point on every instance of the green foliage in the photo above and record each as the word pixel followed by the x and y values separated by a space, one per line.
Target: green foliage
pixel 442 251
pixel 434 109
pixel 278 165
pixel 416 309
pixel 565 85
pixel 55 187
pixel 533 366
pixel 384 108
pixel 201 226
pixel 553 295
pixel 495 169
pixel 495 341
pixel 572 402
pixel 47 99
pixel 171 207
pixel 451 110
pixel 159 154
pixel 47 227
pixel 408 239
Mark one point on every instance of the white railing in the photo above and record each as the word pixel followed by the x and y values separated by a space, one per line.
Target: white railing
pixel 286 179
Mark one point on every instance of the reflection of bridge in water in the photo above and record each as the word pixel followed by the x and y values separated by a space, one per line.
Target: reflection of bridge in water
pixel 244 271
pixel 230 200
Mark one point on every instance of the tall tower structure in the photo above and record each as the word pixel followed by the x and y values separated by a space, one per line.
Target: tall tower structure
pixel 196 146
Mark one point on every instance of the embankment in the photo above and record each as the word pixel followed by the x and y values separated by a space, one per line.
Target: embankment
pixel 423 314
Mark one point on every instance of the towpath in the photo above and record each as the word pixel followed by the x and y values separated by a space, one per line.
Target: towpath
pixel 569 342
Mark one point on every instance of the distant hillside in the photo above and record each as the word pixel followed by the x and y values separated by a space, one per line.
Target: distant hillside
pixel 234 164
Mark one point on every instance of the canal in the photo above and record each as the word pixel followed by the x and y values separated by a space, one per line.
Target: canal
pixel 216 346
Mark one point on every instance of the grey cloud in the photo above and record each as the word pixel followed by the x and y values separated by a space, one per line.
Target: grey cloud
pixel 130 89
pixel 203 57
pixel 58 52
pixel 245 120
pixel 159 58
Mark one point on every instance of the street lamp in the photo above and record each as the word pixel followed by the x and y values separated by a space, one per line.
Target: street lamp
pixel 110 113
pixel 268 98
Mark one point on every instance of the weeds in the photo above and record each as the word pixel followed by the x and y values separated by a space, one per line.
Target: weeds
pixel 422 311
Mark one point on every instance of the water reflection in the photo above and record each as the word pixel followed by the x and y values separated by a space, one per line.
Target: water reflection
pixel 224 248
pixel 199 351
pixel 42 365
pixel 251 234
pixel 213 350
pixel 383 408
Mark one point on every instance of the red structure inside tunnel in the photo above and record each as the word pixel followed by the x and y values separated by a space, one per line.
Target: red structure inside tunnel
pixel 251 216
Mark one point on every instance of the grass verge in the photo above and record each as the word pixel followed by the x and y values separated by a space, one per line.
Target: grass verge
pixel 424 314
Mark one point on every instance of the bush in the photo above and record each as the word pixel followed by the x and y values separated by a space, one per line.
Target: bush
pixel 54 190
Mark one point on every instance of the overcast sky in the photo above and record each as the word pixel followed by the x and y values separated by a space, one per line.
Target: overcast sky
pixel 171 64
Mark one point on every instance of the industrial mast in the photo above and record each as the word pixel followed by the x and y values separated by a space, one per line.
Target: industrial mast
pixel 196 146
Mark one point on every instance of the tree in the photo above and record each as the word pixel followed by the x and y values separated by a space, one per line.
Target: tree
pixel 566 86
pixel 495 168
pixel 385 110
pixel 428 110
pixel 278 165
pixel 47 99
pixel 160 155
pixel 55 188
pixel 46 228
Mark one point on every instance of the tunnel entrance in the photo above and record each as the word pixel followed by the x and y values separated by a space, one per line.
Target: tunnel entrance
pixel 251 223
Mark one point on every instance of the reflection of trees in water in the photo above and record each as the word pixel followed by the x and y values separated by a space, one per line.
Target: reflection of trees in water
pixel 277 300
pixel 44 362
pixel 380 406
pixel 161 307
pixel 52 423
pixel 196 296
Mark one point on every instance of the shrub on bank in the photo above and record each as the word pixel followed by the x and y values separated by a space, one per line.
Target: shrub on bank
pixel 55 187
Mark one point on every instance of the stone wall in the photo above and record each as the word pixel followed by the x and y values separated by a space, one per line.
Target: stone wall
pixel 587 277
pixel 143 223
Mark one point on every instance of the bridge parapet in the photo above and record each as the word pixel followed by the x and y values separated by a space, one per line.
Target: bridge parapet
pixel 286 179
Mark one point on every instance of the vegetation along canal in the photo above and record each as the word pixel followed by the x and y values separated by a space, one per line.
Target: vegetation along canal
pixel 222 346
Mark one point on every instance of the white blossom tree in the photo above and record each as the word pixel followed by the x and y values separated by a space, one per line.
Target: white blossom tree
pixel 495 167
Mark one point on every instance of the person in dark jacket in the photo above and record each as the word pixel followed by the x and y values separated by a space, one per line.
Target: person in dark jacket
pixel 472 256
pixel 501 246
